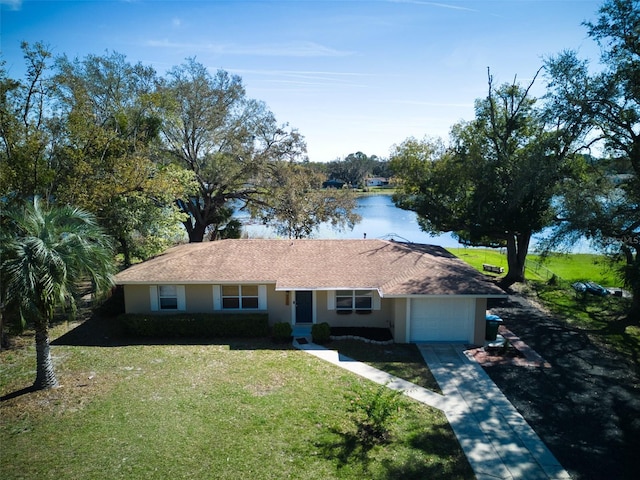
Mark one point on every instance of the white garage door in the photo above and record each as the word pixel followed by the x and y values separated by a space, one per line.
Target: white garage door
pixel 442 319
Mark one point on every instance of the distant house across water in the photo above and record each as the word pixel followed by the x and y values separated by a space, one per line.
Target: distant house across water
pixel 377 182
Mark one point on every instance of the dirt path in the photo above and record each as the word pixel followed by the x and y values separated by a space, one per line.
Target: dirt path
pixel 586 407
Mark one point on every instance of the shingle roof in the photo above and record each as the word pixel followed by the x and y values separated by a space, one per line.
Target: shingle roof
pixel 393 268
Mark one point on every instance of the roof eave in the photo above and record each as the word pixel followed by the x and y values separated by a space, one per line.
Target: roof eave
pixel 444 295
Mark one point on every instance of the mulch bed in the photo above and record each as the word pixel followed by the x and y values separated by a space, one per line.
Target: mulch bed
pixel 515 352
pixel 377 334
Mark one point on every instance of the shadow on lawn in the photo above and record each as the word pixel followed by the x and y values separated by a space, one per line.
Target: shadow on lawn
pixel 18 393
pixel 348 449
pixel 345 448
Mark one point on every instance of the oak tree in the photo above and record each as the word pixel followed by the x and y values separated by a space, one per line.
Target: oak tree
pixel 494 184
pixel 296 205
pixel 227 140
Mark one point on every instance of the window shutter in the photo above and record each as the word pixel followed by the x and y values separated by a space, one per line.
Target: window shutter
pixel 375 300
pixel 182 301
pixel 262 297
pixel 331 300
pixel 153 298
pixel 217 297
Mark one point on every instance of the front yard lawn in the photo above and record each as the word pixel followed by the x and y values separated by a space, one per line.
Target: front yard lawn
pixel 401 359
pixel 232 409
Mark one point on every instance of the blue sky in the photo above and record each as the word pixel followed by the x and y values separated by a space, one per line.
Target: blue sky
pixel 351 76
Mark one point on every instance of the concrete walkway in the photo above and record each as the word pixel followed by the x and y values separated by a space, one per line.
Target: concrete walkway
pixel 496 439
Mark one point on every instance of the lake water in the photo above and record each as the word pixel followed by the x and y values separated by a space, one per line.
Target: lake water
pixel 382 219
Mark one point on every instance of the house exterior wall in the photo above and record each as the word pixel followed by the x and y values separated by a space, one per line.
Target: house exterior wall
pixel 199 298
pixel 378 318
pixel 480 322
pixel 279 305
pixel 393 313
pixel 400 316
pixel 136 299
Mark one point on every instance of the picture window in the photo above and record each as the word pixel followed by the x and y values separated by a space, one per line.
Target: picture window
pixel 240 297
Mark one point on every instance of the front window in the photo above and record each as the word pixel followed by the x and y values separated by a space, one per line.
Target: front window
pixel 240 297
pixel 168 297
pixel 358 300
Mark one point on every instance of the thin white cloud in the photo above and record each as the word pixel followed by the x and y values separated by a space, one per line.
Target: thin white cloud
pixel 436 104
pixel 308 78
pixel 304 72
pixel 346 78
pixel 294 49
pixel 435 4
pixel 12 4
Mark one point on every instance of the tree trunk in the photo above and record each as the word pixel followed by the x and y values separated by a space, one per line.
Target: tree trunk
pixel 126 253
pixel 45 374
pixel 196 232
pixel 634 311
pixel 632 274
pixel 2 336
pixel 194 224
pixel 517 248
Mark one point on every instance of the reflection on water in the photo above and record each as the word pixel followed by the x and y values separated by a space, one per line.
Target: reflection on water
pixel 380 219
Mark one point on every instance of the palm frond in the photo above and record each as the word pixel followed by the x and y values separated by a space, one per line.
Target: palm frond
pixel 51 250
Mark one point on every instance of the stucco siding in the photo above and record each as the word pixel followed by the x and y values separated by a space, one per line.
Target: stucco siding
pixel 279 305
pixel 136 299
pixel 392 313
pixel 378 318
pixel 199 298
pixel 400 319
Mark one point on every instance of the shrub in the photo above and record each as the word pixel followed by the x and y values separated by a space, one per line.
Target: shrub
pixel 372 411
pixel 282 332
pixel 321 332
pixel 205 325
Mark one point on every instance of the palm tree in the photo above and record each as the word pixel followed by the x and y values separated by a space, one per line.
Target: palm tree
pixel 45 252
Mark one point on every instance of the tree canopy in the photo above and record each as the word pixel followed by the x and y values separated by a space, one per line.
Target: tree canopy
pixel 228 141
pixel 25 133
pixel 106 152
pixel 297 205
pixel 145 154
pixel 494 183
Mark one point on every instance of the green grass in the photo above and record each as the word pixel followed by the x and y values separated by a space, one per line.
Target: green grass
pixel 402 360
pixel 236 409
pixel 567 267
pixel 375 191
pixel 603 318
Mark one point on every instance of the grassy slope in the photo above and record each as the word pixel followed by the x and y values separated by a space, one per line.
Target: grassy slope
pixel 231 410
pixel 570 267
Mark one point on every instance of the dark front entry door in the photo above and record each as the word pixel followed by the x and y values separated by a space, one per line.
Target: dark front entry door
pixel 304 306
